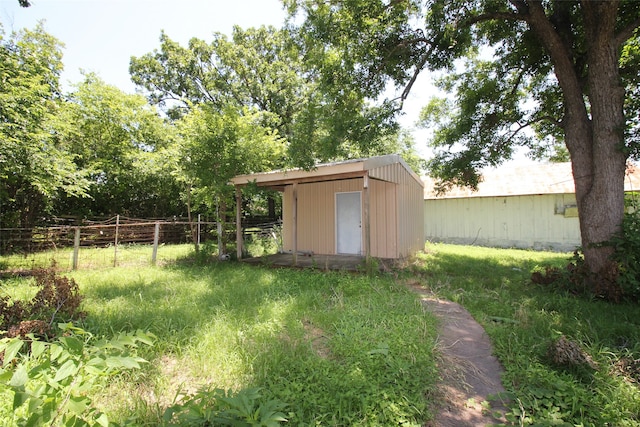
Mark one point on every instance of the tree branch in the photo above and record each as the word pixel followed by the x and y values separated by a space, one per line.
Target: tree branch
pixel 521 14
pixel 509 16
pixel 627 32
pixel 414 77
pixel 531 122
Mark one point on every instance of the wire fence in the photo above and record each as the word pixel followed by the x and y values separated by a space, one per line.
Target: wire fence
pixel 117 241
pixel 111 242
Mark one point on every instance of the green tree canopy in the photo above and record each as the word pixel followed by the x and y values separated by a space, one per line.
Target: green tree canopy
pixel 35 165
pixel 216 146
pixel 121 141
pixel 265 69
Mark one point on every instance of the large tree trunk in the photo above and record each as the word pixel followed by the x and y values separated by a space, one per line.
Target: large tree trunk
pixel 599 169
pixel 593 132
pixel 599 185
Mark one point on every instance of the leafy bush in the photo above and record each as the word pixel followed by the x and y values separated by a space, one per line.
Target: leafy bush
pixel 224 408
pixel 49 384
pixel 627 255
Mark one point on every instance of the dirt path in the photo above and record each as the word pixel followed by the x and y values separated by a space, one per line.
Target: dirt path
pixel 470 372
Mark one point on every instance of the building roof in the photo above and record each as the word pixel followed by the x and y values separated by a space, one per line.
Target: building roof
pixel 326 172
pixel 522 180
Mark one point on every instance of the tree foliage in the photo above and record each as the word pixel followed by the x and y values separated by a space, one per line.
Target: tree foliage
pixel 265 69
pixel 216 146
pixel 491 59
pixel 253 101
pixel 35 165
pixel 122 143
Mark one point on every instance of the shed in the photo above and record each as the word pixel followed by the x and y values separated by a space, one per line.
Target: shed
pixel 522 206
pixel 368 207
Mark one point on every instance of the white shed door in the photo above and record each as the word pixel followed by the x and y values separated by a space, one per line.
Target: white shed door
pixel 349 223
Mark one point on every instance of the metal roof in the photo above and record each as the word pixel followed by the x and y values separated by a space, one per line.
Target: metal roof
pixel 521 180
pixel 323 172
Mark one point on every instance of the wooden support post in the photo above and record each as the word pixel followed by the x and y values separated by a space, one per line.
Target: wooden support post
pixel 295 224
pixel 76 247
pixel 238 223
pixel 366 217
pixel 156 239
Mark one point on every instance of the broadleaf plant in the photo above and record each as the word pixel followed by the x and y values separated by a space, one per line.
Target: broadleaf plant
pixel 50 384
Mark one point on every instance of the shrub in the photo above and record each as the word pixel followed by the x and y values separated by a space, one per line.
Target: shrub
pixel 57 300
pixel 627 255
pixel 573 279
pixel 622 281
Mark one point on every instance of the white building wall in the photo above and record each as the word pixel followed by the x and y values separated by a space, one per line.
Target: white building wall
pixel 542 222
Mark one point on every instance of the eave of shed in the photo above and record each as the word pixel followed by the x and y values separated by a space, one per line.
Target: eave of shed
pixel 322 172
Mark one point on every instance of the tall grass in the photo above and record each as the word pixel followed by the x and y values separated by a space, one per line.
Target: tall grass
pixel 524 319
pixel 339 349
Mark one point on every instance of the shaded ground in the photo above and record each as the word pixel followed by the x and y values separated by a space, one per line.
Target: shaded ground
pixel 321 262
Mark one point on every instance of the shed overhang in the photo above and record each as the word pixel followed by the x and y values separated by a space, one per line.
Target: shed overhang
pixel 324 172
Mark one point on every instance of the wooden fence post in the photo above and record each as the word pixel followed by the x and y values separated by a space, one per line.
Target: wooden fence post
pixel 295 224
pixel 367 216
pixel 219 232
pixel 115 252
pixel 198 237
pixel 76 247
pixel 156 238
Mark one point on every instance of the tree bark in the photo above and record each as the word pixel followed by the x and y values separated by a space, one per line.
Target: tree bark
pixel 593 130
pixel 600 195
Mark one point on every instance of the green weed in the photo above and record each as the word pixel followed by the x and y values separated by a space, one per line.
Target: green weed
pixel 219 407
pixel 50 384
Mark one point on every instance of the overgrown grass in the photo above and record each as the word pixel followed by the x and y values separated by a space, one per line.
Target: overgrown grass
pixel 523 319
pixel 342 349
pixel 339 349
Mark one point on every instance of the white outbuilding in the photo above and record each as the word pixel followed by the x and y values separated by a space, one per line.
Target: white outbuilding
pixel 528 207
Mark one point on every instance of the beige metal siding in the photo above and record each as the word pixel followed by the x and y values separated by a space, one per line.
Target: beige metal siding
pixel 408 236
pixel 316 215
pixel 414 229
pixel 383 219
pixel 411 207
pixel 396 217
pixel 516 221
